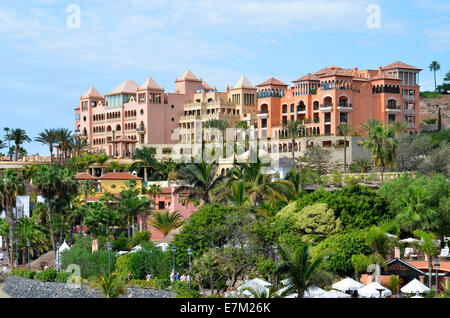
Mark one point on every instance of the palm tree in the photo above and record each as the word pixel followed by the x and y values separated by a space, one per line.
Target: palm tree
pixel 65 141
pixel 300 177
pixel 344 130
pixel 115 166
pixel 398 127
pixel 11 185
pixel 130 204
pixel 263 292
pixel 48 137
pixel 222 125
pixel 2 144
pixel 237 195
pixel 377 239
pixel 243 125
pixel 302 270
pixel 6 129
pixel 109 285
pixel 154 190
pixel 145 157
pixel 203 181
pixel 19 136
pixel 427 245
pixel 79 146
pixel 293 128
pixel 28 231
pixel 101 159
pixel 165 221
pixel 381 142
pixel 434 66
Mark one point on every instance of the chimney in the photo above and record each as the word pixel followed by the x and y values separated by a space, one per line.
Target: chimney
pixel 396 252
pixel 380 69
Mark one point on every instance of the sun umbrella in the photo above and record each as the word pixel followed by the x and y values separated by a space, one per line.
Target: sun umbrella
pixel 347 284
pixel 371 291
pixel 409 240
pixel 333 294
pixel 256 284
pixel 414 287
pixel 314 291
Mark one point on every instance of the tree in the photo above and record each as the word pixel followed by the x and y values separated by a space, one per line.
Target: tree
pixel 293 128
pixel 11 185
pixel 398 127
pixel 300 177
pixel 7 136
pixel 427 245
pixel 78 145
pixel 65 142
pixel 411 151
pixel 115 166
pixel 130 204
pixel 236 195
pixel 221 125
pixel 109 285
pixel 312 221
pixel 28 231
pixel 210 266
pixel 19 136
pixel 203 181
pixel 100 219
pixel 316 158
pixel 145 157
pixel 165 221
pixel 380 141
pixel 434 66
pixel 302 271
pixel 48 137
pixel 344 130
pixel 377 239
pixel 154 190
pixel 101 159
pixel 394 284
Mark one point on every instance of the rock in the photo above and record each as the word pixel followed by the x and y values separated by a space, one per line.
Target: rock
pixel 18 287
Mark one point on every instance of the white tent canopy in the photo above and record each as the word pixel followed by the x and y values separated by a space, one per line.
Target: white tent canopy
pixel 347 284
pixel 64 247
pixel 256 284
pixel 314 291
pixel 371 291
pixel 163 246
pixel 409 240
pixel 333 294
pixel 414 287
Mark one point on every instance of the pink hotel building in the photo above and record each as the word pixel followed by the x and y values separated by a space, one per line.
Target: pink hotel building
pixel 146 114
pixel 132 114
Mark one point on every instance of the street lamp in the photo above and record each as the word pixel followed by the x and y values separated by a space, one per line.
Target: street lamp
pixel 109 258
pixel 174 249
pixel 437 265
pixel 28 256
pixel 275 249
pixel 189 251
pixel 58 245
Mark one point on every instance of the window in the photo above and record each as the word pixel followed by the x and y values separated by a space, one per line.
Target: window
pixel 173 106
pixel 172 119
pixel 142 112
pixel 161 205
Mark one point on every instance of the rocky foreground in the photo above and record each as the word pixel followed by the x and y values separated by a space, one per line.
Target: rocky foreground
pixel 18 287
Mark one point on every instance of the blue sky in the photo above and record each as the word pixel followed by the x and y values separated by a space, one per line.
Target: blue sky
pixel 45 66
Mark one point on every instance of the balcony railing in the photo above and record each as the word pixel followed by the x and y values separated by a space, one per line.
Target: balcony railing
pixel 408 111
pixel 409 97
pixel 345 105
pixel 393 108
pixel 140 129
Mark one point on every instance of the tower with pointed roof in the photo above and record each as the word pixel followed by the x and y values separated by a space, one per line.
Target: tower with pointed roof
pixel 188 83
pixel 244 96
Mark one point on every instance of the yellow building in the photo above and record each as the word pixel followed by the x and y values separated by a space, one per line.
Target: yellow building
pixel 111 182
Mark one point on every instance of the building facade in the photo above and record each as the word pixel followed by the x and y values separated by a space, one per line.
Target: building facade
pixel 237 103
pixel 333 96
pixel 132 114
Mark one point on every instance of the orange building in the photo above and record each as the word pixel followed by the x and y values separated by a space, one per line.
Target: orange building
pixel 334 96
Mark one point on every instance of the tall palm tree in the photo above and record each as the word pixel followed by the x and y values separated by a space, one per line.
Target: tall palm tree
pixel 398 127
pixel 19 136
pixel 302 270
pixel 293 128
pixel 48 137
pixel 165 221
pixel 427 245
pixel 11 185
pixel 79 146
pixel 377 239
pixel 434 66
pixel 65 141
pixel 381 142
pixel 101 159
pixel 222 125
pixel 28 231
pixel 154 190
pixel 203 181
pixel 2 144
pixel 115 166
pixel 145 157
pixel 344 130
pixel 7 130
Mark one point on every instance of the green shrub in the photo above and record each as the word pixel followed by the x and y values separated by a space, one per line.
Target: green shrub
pixel 141 283
pixel 122 266
pixel 62 277
pixel 150 260
pixel 91 264
pixel 141 237
pixel 47 275
pixel 182 289
pixel 23 272
pixel 161 283
pixel 121 243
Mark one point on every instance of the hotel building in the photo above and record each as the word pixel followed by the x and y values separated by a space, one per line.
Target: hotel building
pixel 132 114
pixel 237 103
pixel 333 96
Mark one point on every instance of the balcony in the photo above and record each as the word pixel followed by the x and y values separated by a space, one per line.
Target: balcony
pixel 301 110
pixel 409 97
pixel 263 114
pixel 408 111
pixel 411 125
pixel 345 107
pixel 393 109
pixel 140 129
pixel 326 107
pixel 316 120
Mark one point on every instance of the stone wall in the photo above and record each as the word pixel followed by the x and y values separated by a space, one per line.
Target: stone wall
pixel 18 287
pixel 429 109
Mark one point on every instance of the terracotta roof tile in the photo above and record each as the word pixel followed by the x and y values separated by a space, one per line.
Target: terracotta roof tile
pixel 118 176
pixel 272 81
pixel 307 77
pixel 84 176
pixel 399 64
